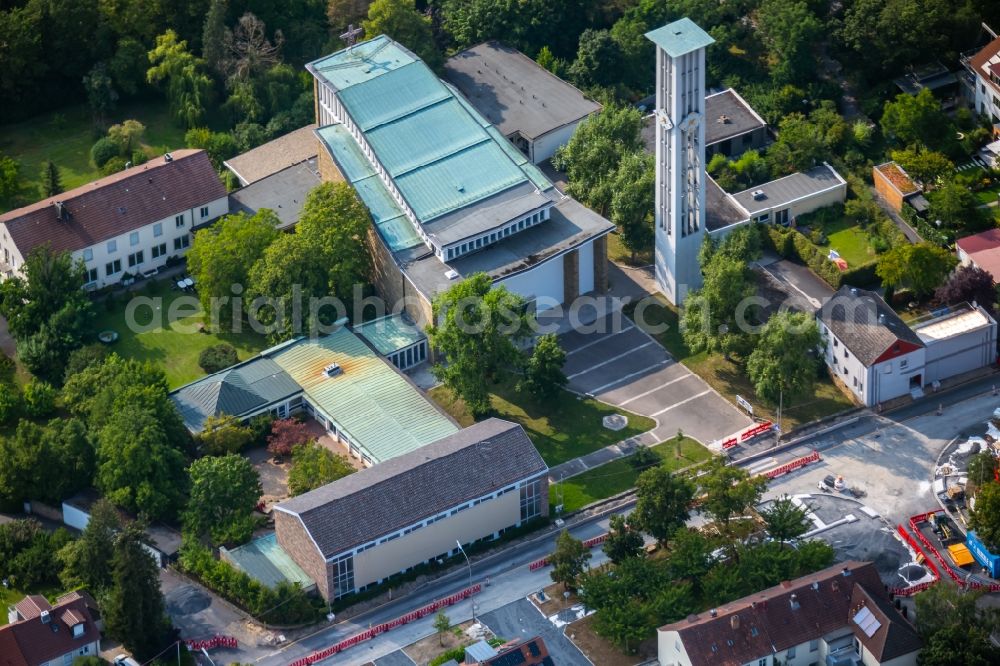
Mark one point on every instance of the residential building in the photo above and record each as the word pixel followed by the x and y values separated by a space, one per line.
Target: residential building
pixel 415 508
pixel 984 68
pixel 535 109
pixel 896 187
pixel 126 224
pixel 981 250
pixel 839 616
pixel 276 155
pixel 689 203
pixel 42 634
pixel 361 399
pixel 879 357
pixel 935 77
pixel 450 196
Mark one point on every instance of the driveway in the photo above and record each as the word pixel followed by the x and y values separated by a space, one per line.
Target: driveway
pixel 523 620
pixel 618 363
pixel 806 292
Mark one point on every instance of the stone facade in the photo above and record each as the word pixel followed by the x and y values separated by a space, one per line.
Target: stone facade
pixel 294 539
pixel 601 264
pixel 571 276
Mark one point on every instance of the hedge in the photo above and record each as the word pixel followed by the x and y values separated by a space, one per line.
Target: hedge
pixel 286 604
pixel 928 232
pixel 790 244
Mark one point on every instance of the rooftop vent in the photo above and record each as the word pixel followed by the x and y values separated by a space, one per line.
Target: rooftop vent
pixel 333 370
pixel 61 213
pixel 451 274
pixel 723 119
pixel 845 572
pixel 734 622
pixel 815 587
pixel 793 601
pixel 713 612
pixel 167 157
pixel 46 618
pixel 758 195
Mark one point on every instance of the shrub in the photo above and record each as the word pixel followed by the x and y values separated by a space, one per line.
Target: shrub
pixel 102 151
pixel 114 165
pixel 39 398
pixel 285 604
pixel 458 654
pixel 217 357
pixel 10 404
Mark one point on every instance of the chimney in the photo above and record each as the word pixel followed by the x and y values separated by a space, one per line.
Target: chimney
pixel 845 572
pixel 786 584
pixel 713 612
pixel 734 622
pixel 46 618
pixel 793 602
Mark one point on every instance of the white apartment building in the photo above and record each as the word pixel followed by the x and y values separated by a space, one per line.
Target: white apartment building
pixel 127 224
pixel 985 69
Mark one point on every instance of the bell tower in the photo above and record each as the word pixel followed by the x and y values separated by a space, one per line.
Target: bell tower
pixel 680 155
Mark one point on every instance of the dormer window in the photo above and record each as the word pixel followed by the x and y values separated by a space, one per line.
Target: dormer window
pixel 78 630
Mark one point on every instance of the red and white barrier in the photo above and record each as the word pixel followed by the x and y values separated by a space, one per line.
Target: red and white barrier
pixel 213 642
pixel 972 585
pixel 747 434
pixel 589 543
pixel 432 607
pixel 798 463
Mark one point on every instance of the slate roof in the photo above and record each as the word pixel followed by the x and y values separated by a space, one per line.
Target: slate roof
pixel 766 622
pixel 276 155
pixel 34 642
pixel 405 490
pixel 236 391
pixel 864 323
pixel 117 204
pixel 514 92
pixel 894 637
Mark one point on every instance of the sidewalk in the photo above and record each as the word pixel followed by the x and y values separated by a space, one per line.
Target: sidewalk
pixel 599 457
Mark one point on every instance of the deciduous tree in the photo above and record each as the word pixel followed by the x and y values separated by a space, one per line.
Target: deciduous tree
pixel 10 178
pixel 598 60
pixel 800 146
pixel 543 375
pixel 569 560
pixel 916 119
pixel 87 561
pixel 477 327
pixel 633 201
pixel 785 520
pixel 784 360
pixel 313 466
pixel 712 318
pixel 285 435
pixel 623 541
pixel 662 502
pixel 101 93
pixel 922 267
pixel 223 434
pixel 927 166
pixel 729 491
pixel 968 284
pixel 224 492
pixel 400 20
pixel 442 624
pixel 985 518
pixel 189 88
pixel 789 29
pixel 956 207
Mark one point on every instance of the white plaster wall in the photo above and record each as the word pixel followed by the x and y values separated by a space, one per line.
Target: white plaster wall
pixel 545 146
pixel 891 379
pixel 543 282
pixel 586 267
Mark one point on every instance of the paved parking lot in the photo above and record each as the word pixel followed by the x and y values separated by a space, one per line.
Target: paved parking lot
pixel 621 365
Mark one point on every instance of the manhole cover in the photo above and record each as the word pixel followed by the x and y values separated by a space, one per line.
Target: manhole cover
pixel 615 422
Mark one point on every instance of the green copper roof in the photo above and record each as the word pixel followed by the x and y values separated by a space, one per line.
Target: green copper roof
pixel 362 62
pixel 390 333
pixel 680 37
pixel 370 400
pixel 264 560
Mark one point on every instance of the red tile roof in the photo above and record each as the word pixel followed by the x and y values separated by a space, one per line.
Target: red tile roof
pixel 893 637
pixel 979 61
pixel 32 642
pixel 32 606
pixel 768 622
pixel 984 251
pixel 117 204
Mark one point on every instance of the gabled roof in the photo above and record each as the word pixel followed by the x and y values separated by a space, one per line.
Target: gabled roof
pixel 32 606
pixel 885 634
pixel 405 490
pixel 986 57
pixel 987 240
pixel 117 204
pixel 514 92
pixel 865 324
pixel 38 642
pixel 775 619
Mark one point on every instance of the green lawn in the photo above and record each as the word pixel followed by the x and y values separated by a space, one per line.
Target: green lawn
pixel 618 254
pixel 176 347
pixel 564 428
pixel 65 137
pixel 728 377
pixel 619 475
pixel 850 241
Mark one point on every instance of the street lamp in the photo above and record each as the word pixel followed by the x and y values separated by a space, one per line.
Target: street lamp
pixel 462 550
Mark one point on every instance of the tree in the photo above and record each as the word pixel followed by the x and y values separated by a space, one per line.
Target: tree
pixel 789 30
pixel 916 119
pixel 981 469
pixel 128 66
pixel 729 491
pixel 39 398
pixel 47 311
pixel 213 35
pixel 569 560
pixel 785 520
pixel 543 375
pixel 189 88
pixel 248 52
pixel 956 645
pixel 921 267
pixel 10 177
pixel 690 556
pixel 890 34
pixel 591 157
pixel 598 60
pixel 220 258
pixel 712 319
pixel 633 201
pixel 956 207
pixel 51 179
pixel 313 466
pixel 400 20
pixel 623 541
pixel 127 136
pixel 47 463
pixel 224 434
pixel 955 631
pixel 341 13
pixel 87 561
pixel 101 93
pixel 966 285
pixel 442 624
pixel 943 606
pixel 134 610
pixel 927 166
pixel 662 502
pixel 784 359
pixel 224 492
pixel 477 328
pixel 800 146
pixel 217 357
pixel 285 435
pixel 985 518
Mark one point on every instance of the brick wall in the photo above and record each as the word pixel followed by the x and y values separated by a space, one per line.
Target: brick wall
pixel 294 539
pixel 601 264
pixel 329 172
pixel 571 276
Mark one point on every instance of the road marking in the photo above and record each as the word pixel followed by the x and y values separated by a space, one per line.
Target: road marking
pixel 610 360
pixel 653 390
pixel 682 402
pixel 627 377
pixel 602 339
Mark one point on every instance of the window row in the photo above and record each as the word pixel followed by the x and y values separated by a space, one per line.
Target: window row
pixel 500 234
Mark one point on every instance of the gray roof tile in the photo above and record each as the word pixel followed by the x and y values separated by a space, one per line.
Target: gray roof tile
pixel 864 323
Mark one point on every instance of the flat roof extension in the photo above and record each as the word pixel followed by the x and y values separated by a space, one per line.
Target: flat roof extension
pixel 277 154
pixel 283 192
pixel 784 191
